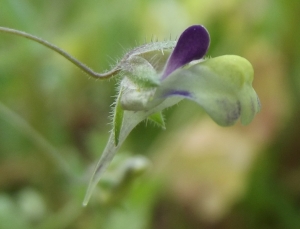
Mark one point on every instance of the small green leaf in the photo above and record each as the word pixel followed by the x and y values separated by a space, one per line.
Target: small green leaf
pixel 158 119
pixel 118 118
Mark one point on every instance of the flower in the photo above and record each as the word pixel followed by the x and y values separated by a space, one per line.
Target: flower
pixel 160 74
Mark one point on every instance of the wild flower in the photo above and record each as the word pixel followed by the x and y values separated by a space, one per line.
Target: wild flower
pixel 158 75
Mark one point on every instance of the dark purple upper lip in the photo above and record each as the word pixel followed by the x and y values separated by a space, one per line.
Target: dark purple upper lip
pixel 192 45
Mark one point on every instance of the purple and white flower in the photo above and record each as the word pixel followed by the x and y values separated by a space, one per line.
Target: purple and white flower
pixel 160 74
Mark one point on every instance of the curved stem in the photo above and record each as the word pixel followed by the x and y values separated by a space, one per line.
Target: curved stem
pixel 79 64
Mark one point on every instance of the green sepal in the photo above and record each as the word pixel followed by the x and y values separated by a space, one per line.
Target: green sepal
pixel 158 119
pixel 118 118
pixel 141 72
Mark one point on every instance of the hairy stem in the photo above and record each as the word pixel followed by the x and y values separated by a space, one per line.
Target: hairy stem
pixel 130 120
pixel 79 64
pixel 110 151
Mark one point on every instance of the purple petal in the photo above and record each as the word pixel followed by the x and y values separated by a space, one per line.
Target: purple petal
pixel 177 92
pixel 192 45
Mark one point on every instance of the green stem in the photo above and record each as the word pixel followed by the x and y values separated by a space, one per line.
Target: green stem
pixel 130 120
pixel 79 64
pixel 37 139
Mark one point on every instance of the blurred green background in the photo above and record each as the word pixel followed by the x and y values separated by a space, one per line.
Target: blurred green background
pixel 54 120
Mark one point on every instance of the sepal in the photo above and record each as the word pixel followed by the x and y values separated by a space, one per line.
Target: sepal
pixel 158 119
pixel 118 118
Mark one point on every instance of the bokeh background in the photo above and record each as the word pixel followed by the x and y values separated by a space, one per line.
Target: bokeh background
pixel 54 120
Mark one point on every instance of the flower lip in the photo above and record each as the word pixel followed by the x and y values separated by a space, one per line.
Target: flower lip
pixel 192 45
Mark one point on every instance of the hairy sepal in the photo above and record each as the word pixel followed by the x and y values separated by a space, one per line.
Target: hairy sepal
pixel 118 118
pixel 158 119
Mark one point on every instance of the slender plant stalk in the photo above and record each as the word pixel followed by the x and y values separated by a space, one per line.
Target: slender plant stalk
pixel 37 139
pixel 79 64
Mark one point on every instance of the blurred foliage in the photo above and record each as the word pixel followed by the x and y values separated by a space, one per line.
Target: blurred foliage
pixel 53 120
